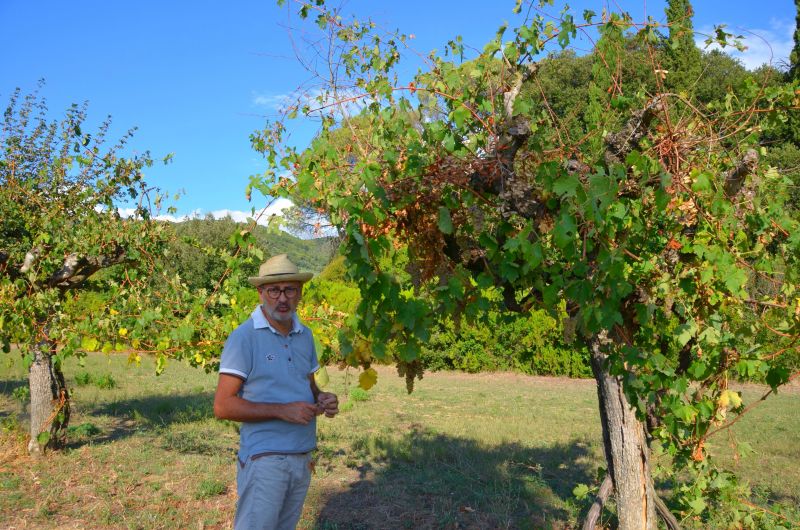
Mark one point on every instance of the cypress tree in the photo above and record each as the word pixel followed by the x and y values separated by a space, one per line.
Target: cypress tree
pixel 794 57
pixel 682 56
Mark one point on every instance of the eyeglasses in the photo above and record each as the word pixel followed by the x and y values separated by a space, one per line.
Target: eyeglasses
pixel 276 292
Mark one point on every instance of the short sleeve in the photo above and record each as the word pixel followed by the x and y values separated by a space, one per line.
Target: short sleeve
pixel 237 356
pixel 314 359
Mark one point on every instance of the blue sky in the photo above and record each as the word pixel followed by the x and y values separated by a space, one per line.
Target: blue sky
pixel 199 77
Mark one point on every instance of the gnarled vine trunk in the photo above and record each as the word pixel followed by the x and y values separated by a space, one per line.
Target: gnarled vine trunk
pixel 49 399
pixel 626 449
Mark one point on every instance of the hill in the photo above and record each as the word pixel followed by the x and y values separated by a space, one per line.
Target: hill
pixel 200 244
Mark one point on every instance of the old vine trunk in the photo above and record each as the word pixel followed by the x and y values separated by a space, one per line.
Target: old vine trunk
pixel 626 449
pixel 49 399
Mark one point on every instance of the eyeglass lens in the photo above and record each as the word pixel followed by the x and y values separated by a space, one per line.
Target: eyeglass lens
pixel 275 292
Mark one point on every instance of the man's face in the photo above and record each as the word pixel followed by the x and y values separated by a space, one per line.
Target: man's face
pixel 280 299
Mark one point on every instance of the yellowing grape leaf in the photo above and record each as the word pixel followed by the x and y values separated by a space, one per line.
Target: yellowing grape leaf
pixel 89 344
pixel 732 398
pixel 321 377
pixel 368 378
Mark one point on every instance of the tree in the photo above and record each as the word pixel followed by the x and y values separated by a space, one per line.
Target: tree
pixel 682 56
pixel 791 130
pixel 59 191
pixel 722 74
pixel 562 83
pixel 77 277
pixel 794 56
pixel 652 229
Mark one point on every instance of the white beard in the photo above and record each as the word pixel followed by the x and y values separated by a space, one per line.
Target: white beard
pixel 279 316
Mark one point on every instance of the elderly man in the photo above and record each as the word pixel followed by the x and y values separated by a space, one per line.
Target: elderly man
pixel 266 381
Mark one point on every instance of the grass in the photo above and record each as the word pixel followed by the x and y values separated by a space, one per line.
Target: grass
pixel 462 451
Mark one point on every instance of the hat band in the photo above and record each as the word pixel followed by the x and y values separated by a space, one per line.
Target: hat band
pixel 281 274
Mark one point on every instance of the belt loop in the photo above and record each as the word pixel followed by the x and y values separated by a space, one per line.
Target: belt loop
pixel 241 464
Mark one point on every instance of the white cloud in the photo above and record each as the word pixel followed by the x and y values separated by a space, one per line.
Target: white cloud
pixel 276 102
pixel 346 102
pixel 764 46
pixel 173 218
pixel 127 212
pixel 275 208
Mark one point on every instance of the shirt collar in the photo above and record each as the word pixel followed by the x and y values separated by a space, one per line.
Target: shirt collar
pixel 260 321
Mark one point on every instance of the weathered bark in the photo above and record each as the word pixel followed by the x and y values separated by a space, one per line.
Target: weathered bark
pixel 606 488
pixel 734 179
pixel 626 450
pixel 590 523
pixel 77 269
pixel 621 143
pixel 49 399
pixel 74 271
pixel 31 257
pixel 666 515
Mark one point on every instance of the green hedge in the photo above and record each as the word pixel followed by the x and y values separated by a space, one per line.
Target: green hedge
pixel 531 344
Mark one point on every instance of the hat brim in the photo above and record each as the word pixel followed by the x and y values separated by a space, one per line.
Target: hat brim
pixel 302 277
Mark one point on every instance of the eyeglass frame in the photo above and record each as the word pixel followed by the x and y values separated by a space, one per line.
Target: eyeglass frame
pixel 281 291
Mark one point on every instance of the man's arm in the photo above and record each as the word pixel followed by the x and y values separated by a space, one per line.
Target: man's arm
pixel 229 406
pixel 326 400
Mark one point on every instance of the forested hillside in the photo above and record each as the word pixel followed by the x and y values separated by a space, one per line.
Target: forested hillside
pixel 201 247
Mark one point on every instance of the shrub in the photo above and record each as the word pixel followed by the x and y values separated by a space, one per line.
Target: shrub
pixel 210 488
pixel 338 294
pixel 9 423
pixel 22 393
pixel 83 378
pixel 105 382
pixel 84 429
pixel 531 344
pixel 359 394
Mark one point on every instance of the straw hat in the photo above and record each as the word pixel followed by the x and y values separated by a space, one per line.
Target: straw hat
pixel 279 269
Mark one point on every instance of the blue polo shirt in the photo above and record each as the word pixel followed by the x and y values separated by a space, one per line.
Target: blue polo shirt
pixel 275 369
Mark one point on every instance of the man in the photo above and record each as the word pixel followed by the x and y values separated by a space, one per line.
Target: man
pixel 266 381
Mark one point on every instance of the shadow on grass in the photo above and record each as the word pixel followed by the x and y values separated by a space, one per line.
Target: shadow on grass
pixel 162 410
pixel 155 414
pixel 7 386
pixel 12 407
pixel 428 480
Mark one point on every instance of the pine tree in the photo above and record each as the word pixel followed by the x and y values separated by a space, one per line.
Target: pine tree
pixel 682 56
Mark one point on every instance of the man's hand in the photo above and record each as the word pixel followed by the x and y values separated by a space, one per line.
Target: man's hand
pixel 228 405
pixel 328 404
pixel 299 412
